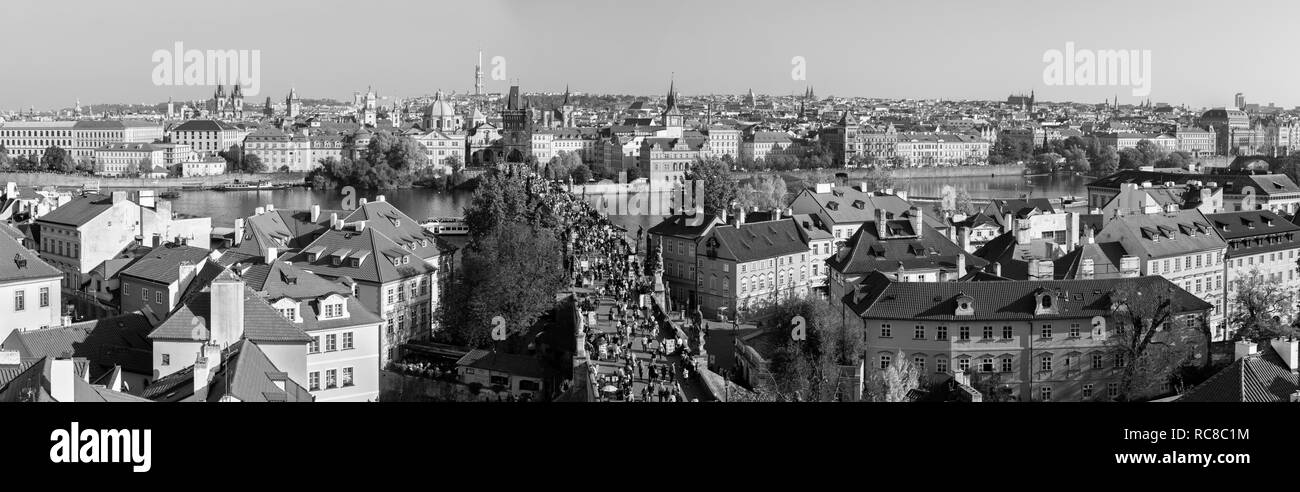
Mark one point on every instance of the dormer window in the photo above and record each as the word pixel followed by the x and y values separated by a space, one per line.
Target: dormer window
pixel 333 310
pixel 965 305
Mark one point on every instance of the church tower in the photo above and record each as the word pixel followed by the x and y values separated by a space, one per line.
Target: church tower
pixel 268 111
pixel 566 110
pixel 293 105
pixel 478 75
pixel 517 127
pixel 219 102
pixel 673 118
pixel 236 105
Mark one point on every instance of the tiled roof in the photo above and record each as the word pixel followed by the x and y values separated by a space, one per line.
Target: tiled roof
pixel 162 264
pixel 388 236
pixel 867 253
pixel 104 343
pixel 879 297
pixel 679 226
pixel 1239 227
pixel 756 241
pixel 843 211
pixel 78 211
pixel 517 365
pixel 19 263
pixel 1262 377
pixel 262 323
pixel 245 373
pixel 203 126
pixel 1164 234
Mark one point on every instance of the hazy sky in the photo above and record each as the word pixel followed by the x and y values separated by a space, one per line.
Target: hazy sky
pixel 99 51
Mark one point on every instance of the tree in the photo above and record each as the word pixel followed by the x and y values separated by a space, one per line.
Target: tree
pixel 233 156
pixel 878 178
pixel 284 168
pixel 1179 159
pixel 1261 310
pixel 1149 151
pixel 719 189
pixel 809 370
pixel 58 160
pixel 1047 163
pixel 6 162
pixel 964 203
pixel 1076 160
pixel 454 163
pixel 893 383
pixel 1148 343
pixel 514 274
pixel 581 174
pixel 253 164
pixel 1108 161
pixel 633 173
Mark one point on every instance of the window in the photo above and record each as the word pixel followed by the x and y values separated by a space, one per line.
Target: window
pixel 964 333
pixel 331 343
pixel 1006 364
pixel 988 332
pixel 986 365
pixel 334 310
pixel 390 295
pixel 144 294
pixel 347 376
pixel 157 296
pixel 314 346
pixel 45 297
pixel 963 364
pixel 1045 362
pixel 1119 360
pixel 289 313
pixel 1112 390
pixel 885 331
pixel 1087 391
pixel 941 364
pixel 919 362
pixel 941 333
pixel 885 359
pixel 313 381
pixel 1096 361
pixel 331 379
pixel 1045 393
pixel 166 359
pixel 347 340
pixel 919 334
pixel 20 300
pixel 1074 330
pixel 1007 334
pixel 1046 331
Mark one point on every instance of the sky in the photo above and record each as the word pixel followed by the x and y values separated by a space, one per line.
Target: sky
pixel 55 53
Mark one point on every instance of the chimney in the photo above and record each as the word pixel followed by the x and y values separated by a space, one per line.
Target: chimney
pixel 862 186
pixel 259 210
pixel 963 235
pixel 315 213
pixel 334 221
pixel 1129 266
pixel 66 320
pixel 207 363
pixel 226 323
pixel 146 199
pixel 11 189
pixel 239 231
pixel 119 196
pixel 271 254
pixel 997 269
pixel 1088 236
pixel 185 274
pixel 823 188
pixel 363 201
pixel 1289 350
pixel 1071 230
pixel 10 357
pixel 1085 268
pixel 788 212
pixel 1022 232
pixel 63 374
pixel 1242 349
pixel 1041 270
pixel 739 218
pixel 380 198
pixel 914 214
pixel 1008 222
pixel 880 223
pixel 901 194
pixel 722 214
pixel 961 265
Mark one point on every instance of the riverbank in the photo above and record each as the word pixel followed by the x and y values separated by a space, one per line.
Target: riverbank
pixel 74 180
pixel 901 172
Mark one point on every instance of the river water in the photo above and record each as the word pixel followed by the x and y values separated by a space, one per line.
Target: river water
pixel 225 206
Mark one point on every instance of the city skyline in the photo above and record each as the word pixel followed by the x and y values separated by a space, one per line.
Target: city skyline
pixel 971 52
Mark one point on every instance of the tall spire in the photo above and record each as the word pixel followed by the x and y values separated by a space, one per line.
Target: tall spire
pixel 566 94
pixel 672 93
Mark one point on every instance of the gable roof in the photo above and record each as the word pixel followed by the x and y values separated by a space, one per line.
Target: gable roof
pixel 756 240
pixel 879 297
pixel 18 263
pixel 865 252
pixel 262 323
pixel 79 211
pixel 162 263
pixel 104 343
pixel 1256 378
pixel 246 373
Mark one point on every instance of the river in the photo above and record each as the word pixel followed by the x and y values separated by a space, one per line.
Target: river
pixel 225 206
